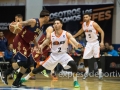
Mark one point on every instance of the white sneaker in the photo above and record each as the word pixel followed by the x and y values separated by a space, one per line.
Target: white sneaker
pixel 100 76
pixel 85 76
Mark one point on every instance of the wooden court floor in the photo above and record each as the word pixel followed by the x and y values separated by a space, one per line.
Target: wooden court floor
pixel 63 83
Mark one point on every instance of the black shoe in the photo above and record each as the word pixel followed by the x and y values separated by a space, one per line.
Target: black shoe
pixel 17 86
pixel 4 80
pixel 14 86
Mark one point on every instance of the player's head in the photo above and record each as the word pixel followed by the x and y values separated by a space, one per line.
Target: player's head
pixel 58 24
pixel 1 34
pixel 45 15
pixel 18 18
pixel 86 17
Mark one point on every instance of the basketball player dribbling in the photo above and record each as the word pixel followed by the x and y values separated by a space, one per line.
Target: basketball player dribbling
pixel 59 43
pixel 21 45
pixel 92 47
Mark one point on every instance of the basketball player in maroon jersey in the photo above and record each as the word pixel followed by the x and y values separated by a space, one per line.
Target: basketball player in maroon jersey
pixel 21 44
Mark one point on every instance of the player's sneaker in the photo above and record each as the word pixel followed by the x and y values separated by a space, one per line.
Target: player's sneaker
pixel 100 76
pixel 4 80
pixel 54 77
pixel 14 86
pixel 23 80
pixel 85 76
pixel 45 73
pixel 17 86
pixel 76 84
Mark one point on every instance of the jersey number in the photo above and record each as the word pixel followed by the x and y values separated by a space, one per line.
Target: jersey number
pixel 89 35
pixel 59 49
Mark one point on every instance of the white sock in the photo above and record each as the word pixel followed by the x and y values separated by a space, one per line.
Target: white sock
pixel 27 77
pixel 75 76
pixel 86 70
pixel 18 70
pixel 99 70
pixel 52 72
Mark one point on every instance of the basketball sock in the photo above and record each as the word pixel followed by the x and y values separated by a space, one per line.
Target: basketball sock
pixel 74 76
pixel 17 80
pixel 99 70
pixel 27 77
pixel 18 70
pixel 86 70
pixel 52 72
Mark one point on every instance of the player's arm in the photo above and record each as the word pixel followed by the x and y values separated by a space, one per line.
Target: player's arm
pixel 49 30
pixel 99 29
pixel 78 33
pixel 45 43
pixel 35 42
pixel 28 22
pixel 73 41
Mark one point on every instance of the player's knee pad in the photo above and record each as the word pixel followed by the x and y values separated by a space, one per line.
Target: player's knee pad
pixel 73 66
pixel 23 64
pixel 38 69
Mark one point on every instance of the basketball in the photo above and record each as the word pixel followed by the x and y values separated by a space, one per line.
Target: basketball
pixel 15 27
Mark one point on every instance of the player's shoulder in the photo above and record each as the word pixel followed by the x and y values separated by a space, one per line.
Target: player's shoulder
pixel 95 23
pixel 50 27
pixel 34 20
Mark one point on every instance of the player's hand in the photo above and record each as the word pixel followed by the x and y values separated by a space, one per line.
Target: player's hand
pixel 80 45
pixel 101 45
pixel 40 48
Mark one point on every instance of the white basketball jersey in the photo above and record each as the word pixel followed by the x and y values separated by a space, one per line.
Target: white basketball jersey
pixel 59 44
pixel 90 32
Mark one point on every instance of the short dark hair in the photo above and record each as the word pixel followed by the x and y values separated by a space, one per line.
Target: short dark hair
pixel 57 19
pixel 89 14
pixel 19 15
pixel 44 13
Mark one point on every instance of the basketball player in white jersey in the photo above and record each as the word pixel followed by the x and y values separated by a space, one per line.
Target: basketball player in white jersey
pixel 92 48
pixel 59 43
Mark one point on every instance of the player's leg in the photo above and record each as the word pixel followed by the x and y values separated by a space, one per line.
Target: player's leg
pixel 44 72
pixel 96 52
pixel 68 60
pixel 8 71
pixel 88 54
pixel 49 64
pixel 53 75
pixel 24 66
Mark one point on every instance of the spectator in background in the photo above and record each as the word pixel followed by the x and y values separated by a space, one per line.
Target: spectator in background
pixel 112 52
pixel 104 50
pixel 9 53
pixel 81 41
pixel 3 42
pixel 107 46
pixel 83 38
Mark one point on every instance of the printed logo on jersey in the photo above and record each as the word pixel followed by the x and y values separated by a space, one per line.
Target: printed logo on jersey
pixel 38 31
pixel 88 30
pixel 57 42
pixel 64 36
